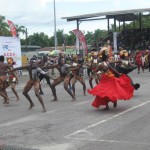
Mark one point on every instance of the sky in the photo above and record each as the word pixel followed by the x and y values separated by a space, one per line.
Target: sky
pixel 38 15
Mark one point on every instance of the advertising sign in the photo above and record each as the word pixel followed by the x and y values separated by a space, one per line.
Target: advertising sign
pixel 11 47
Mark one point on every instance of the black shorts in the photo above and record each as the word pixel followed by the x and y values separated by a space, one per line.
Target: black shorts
pixel 41 76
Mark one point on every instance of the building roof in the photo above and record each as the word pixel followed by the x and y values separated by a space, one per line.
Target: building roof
pixel 126 15
pixel 30 46
pixel 45 49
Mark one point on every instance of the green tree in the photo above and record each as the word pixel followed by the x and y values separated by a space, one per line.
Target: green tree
pixel 39 39
pixel 20 29
pixel 70 39
pixel 60 37
pixel 4 27
pixel 89 37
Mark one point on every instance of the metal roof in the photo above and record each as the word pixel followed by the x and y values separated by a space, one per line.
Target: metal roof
pixel 109 14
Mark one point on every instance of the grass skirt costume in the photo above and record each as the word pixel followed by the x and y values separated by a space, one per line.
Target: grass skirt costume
pixel 111 89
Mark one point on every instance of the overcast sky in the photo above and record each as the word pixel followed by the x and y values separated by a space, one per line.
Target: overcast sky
pixel 38 15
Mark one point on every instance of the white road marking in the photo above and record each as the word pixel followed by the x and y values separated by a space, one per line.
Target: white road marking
pixel 25 119
pixel 81 103
pixel 33 117
pixel 109 141
pixel 106 120
pixel 53 147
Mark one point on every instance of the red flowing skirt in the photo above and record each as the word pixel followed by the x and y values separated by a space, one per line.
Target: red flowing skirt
pixel 111 89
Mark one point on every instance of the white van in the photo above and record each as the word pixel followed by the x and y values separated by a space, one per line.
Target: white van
pixel 42 53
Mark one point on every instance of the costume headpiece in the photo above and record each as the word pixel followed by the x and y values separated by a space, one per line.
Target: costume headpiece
pixel 95 53
pixel 10 60
pixel 104 50
pixel 123 52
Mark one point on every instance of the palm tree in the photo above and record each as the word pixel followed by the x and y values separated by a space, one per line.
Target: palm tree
pixel 20 29
pixel 3 26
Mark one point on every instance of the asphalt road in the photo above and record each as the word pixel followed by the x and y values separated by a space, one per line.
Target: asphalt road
pixel 77 125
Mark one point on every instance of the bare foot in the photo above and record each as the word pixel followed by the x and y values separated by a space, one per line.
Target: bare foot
pixel 44 109
pixel 6 101
pixel 73 99
pixel 18 99
pixel 31 106
pixel 107 107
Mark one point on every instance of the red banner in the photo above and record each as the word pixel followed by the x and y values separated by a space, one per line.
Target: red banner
pixel 81 39
pixel 12 28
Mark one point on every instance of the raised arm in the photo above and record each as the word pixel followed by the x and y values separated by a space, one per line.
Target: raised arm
pixel 50 66
pixel 114 71
pixel 18 68
pixel 99 68
pixel 117 61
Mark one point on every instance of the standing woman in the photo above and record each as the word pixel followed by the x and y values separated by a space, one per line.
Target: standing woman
pixel 110 88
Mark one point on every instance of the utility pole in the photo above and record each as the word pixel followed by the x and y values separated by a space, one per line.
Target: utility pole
pixel 65 42
pixel 26 43
pixel 55 26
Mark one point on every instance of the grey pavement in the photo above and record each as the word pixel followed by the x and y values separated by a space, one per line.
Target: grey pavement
pixel 77 125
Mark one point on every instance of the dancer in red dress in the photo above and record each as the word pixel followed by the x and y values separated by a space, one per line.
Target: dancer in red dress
pixel 110 88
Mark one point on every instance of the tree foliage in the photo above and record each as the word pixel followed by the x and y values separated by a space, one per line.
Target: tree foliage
pixel 20 29
pixel 4 28
pixel 92 38
pixel 40 39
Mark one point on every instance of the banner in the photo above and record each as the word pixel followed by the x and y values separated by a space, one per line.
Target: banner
pixel 12 28
pixel 80 39
pixel 108 44
pixel 11 47
pixel 77 45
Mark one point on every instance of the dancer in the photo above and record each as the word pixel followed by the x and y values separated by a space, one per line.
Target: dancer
pixel 13 77
pixel 34 71
pixel 4 78
pixel 125 66
pixel 143 60
pixel 64 76
pixel 88 62
pixel 77 73
pixel 44 63
pixel 148 60
pixel 138 60
pixel 110 88
pixel 94 75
